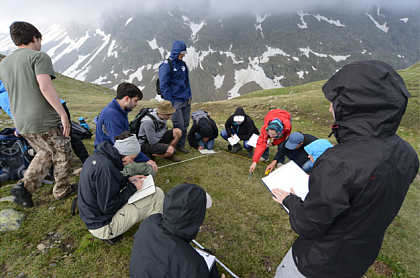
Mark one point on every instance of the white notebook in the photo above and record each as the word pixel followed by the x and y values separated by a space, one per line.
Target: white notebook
pixel 235 140
pixel 148 188
pixel 205 151
pixel 253 140
pixel 286 177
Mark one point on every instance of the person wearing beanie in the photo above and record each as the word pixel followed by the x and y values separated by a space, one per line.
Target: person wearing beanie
pixel 154 137
pixel 277 127
pixel 161 246
pixel 357 187
pixel 202 133
pixel 104 191
pixel 294 149
pixel 242 125
pixel 316 149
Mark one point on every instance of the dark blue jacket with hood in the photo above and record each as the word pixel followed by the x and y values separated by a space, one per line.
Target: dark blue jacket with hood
pixel 356 188
pixel 175 83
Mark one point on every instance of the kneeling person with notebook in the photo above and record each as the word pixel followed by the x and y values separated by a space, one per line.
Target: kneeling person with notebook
pixel 104 191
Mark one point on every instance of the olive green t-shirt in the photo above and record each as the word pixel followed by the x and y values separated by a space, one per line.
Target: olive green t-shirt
pixel 31 112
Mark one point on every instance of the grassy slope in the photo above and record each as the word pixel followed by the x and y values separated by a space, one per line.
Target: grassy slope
pixel 245 228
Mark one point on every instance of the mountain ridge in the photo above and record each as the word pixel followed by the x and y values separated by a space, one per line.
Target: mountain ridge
pixel 232 56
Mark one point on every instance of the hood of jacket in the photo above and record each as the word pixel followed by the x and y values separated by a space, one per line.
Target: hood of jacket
pixel 107 149
pixel 205 129
pixel 317 148
pixel 184 209
pixel 177 47
pixel 369 99
pixel 239 112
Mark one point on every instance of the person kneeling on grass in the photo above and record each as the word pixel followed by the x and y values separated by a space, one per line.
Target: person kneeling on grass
pixel 241 124
pixel 202 133
pixel 104 191
pixel 161 246
pixel 154 137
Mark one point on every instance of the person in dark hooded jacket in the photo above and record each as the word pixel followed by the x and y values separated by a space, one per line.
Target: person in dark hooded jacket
pixel 175 87
pixel 104 191
pixel 161 246
pixel 242 125
pixel 202 134
pixel 357 187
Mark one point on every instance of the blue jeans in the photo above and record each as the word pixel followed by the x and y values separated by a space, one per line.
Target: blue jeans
pixel 181 119
pixel 206 145
pixel 225 136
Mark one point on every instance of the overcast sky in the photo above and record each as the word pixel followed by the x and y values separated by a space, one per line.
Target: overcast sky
pixel 85 10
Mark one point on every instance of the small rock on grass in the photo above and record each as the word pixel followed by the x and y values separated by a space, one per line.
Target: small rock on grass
pixel 10 220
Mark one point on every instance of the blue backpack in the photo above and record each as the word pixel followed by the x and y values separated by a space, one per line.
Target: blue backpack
pixel 14 156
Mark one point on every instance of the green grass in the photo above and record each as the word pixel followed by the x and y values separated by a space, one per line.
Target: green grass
pixel 248 231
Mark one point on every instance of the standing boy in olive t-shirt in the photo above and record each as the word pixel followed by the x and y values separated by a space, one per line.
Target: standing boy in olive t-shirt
pixel 37 111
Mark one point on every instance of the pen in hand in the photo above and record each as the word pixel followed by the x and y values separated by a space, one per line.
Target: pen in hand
pixel 250 175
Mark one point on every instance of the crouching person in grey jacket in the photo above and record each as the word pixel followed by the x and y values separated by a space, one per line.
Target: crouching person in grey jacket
pixel 103 190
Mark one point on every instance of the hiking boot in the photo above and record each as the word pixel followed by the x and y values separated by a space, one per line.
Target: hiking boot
pixel 236 148
pixel 249 153
pixel 114 240
pixel 182 149
pixel 172 158
pixel 74 208
pixel 262 159
pixel 73 189
pixel 22 196
pixel 229 147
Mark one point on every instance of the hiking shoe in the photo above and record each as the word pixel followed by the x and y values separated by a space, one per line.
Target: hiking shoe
pixel 114 240
pixel 182 149
pixel 249 153
pixel 74 207
pixel 172 158
pixel 73 189
pixel 262 159
pixel 229 147
pixel 236 148
pixel 22 196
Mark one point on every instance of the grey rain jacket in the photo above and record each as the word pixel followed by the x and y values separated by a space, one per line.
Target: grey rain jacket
pixel 357 187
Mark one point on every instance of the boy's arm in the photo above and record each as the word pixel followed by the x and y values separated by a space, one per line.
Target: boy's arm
pixel 51 95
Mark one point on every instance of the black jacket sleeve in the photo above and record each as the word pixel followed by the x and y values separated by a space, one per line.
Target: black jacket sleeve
pixel 192 140
pixel 215 129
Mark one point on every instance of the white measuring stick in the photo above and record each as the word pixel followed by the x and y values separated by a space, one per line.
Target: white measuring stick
pixel 227 269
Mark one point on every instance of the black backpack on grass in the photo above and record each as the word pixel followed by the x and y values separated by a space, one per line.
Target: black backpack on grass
pixel 14 156
pixel 136 122
pixel 80 131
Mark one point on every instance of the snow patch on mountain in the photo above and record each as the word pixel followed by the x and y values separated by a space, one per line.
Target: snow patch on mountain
pixel 304 25
pixel 153 45
pixel 307 50
pixel 128 21
pixel 231 55
pixel 253 73
pixel 218 81
pixel 111 51
pixel 405 20
pixel 259 21
pixel 271 52
pixel 330 21
pixel 195 28
pixel 72 45
pixel 339 58
pixel 379 26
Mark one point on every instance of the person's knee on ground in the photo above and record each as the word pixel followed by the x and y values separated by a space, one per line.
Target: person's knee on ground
pixel 170 151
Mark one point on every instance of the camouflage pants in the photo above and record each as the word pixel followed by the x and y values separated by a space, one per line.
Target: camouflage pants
pixel 50 147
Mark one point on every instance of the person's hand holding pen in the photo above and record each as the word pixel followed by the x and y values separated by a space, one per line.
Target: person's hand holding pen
pixel 137 180
pixel 281 194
